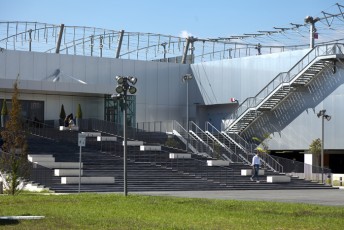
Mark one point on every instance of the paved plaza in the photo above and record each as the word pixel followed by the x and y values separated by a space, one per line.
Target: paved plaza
pixel 330 197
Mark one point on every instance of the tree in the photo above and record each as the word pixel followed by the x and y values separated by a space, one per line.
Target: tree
pixel 62 113
pixel 4 113
pixel 78 112
pixel 263 147
pixel 263 144
pixel 13 160
pixel 4 110
pixel 315 149
pixel 78 116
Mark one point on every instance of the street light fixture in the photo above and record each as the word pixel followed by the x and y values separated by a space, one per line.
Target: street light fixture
pixel 186 79
pixel 323 115
pixel 312 30
pixel 125 84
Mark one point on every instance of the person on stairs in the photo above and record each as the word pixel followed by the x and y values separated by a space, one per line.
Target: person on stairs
pixel 255 164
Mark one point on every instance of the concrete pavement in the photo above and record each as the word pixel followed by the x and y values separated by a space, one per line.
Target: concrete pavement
pixel 330 197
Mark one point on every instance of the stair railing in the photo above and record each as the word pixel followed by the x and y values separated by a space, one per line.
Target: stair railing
pixel 248 152
pixel 283 79
pixel 206 144
pixel 234 154
pixel 193 144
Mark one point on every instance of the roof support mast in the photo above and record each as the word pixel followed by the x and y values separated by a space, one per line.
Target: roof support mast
pixel 58 44
pixel 119 45
pixel 188 41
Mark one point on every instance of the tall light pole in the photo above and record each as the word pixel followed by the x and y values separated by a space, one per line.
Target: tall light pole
pixel 323 115
pixel 186 79
pixel 123 86
pixel 312 29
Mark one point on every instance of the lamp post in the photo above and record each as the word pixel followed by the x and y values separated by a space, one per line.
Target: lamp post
pixel 323 115
pixel 312 29
pixel 124 84
pixel 186 79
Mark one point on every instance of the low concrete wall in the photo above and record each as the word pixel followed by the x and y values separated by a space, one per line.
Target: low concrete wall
pixel 67 172
pixel 60 165
pixel 91 134
pixel 63 128
pixel 134 143
pixel 248 172
pixel 39 158
pixel 179 155
pixel 88 180
pixel 150 148
pixel 278 179
pixel 217 163
pixel 108 138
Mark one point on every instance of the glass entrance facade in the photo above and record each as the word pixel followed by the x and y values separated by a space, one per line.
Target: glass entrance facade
pixel 30 110
pixel 114 110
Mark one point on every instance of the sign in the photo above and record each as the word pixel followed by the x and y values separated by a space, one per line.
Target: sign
pixel 233 100
pixel 81 140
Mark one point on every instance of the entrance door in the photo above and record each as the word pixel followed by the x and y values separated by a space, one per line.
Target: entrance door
pixel 114 110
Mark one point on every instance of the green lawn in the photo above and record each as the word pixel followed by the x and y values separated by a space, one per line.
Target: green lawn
pixel 114 211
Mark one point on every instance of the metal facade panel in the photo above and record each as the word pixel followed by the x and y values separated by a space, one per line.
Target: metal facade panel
pixel 79 69
pixel 177 92
pixel 2 64
pixel 91 70
pixel 151 86
pixel 66 69
pixel 128 67
pixel 241 77
pixel 12 64
pixel 39 73
pixel 52 65
pixel 141 84
pixel 162 91
pixel 25 63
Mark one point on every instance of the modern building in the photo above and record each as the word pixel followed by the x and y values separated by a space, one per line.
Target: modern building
pixel 235 87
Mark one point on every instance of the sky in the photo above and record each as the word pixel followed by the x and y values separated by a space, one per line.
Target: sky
pixel 201 18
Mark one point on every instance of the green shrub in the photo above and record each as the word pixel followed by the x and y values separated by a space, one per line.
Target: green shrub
pixel 78 112
pixel 4 110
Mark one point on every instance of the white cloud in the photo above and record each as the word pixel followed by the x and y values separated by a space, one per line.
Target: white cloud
pixel 185 34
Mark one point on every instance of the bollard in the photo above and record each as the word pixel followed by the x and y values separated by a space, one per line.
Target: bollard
pixel 340 181
pixel 1 188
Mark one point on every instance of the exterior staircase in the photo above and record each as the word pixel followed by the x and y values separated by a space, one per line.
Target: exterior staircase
pixel 147 170
pixel 284 84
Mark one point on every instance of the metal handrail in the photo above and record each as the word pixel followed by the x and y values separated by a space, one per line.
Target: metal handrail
pixel 210 130
pixel 204 143
pixel 247 150
pixel 283 79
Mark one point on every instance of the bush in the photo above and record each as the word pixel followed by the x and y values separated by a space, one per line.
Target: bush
pixel 4 110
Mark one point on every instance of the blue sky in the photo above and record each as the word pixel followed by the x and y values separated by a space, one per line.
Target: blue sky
pixel 202 18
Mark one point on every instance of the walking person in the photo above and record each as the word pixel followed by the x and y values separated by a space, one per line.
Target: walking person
pixel 255 164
